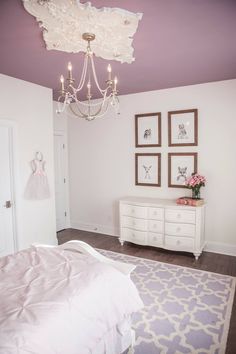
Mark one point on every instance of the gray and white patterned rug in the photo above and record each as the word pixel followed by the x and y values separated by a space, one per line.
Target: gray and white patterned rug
pixel 186 310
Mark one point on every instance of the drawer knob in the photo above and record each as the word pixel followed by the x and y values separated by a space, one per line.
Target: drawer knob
pixel 134 223
pixel 155 213
pixel 178 229
pixel 178 216
pixel 132 211
pixel 178 242
pixel 154 238
pixel 133 235
pixel 155 226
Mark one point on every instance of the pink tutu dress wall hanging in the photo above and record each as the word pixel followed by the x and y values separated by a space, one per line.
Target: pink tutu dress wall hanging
pixel 37 187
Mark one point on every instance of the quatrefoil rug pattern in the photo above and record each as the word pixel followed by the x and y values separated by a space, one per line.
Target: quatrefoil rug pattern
pixel 186 310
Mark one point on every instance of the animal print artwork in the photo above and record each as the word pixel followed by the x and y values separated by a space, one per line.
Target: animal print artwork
pixel 147 171
pixel 147 134
pixel 182 132
pixel 182 174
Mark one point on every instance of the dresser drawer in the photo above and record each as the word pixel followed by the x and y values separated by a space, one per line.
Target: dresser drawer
pixel 180 229
pixel 179 243
pixel 155 240
pixel 183 216
pixel 155 226
pixel 139 237
pixel 133 210
pixel 134 223
pixel 156 213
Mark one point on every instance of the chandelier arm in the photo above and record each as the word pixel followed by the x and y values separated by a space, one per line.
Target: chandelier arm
pixel 94 114
pixel 83 76
pixel 89 105
pixel 86 115
pixel 81 115
pixel 63 104
pixel 97 115
pixel 96 79
pixel 105 98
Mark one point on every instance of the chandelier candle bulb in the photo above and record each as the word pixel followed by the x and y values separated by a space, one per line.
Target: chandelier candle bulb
pixel 70 70
pixel 109 72
pixel 89 90
pixel 62 83
pixel 115 83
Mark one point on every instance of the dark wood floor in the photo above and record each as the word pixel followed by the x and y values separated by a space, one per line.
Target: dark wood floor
pixel 208 261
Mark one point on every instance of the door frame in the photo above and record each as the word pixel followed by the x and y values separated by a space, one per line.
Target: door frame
pixel 12 126
pixel 67 204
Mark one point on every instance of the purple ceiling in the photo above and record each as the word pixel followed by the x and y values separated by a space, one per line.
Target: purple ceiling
pixel 178 43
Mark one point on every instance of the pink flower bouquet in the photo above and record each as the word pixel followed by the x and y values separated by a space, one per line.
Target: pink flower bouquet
pixel 195 182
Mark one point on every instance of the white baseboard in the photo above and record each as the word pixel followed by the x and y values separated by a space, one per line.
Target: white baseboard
pixel 101 229
pixel 68 224
pixel 215 247
pixel 222 248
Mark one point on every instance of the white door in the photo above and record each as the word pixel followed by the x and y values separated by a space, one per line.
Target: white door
pixel 6 210
pixel 60 180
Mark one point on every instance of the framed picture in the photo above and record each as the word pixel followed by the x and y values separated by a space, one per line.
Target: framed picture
pixel 183 128
pixel 148 170
pixel 148 130
pixel 180 167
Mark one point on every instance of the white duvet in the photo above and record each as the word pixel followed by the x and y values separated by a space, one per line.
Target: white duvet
pixel 62 302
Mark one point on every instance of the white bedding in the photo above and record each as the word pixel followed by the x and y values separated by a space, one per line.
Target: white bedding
pixel 62 302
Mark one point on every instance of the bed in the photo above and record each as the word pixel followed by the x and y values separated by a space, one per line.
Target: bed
pixel 67 299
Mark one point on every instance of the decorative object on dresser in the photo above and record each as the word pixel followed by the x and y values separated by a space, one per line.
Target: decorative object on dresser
pixel 181 165
pixel 148 130
pixel 190 201
pixel 148 170
pixel 162 223
pixel 183 127
pixel 195 182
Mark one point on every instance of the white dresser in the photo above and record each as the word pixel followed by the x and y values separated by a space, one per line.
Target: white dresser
pixel 162 223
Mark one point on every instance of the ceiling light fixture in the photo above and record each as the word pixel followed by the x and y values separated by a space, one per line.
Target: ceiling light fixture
pixel 70 95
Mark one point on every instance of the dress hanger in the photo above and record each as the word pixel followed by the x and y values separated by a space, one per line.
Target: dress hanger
pixel 39 156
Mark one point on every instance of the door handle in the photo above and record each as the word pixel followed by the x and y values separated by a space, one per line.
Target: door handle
pixel 8 204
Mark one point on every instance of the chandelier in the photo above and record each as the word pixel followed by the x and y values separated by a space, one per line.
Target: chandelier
pixel 70 95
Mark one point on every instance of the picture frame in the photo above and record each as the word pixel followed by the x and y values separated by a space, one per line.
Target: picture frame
pixel 148 169
pixel 183 127
pixel 181 165
pixel 148 130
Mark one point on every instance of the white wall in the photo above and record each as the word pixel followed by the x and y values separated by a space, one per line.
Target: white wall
pixel 30 107
pixel 101 159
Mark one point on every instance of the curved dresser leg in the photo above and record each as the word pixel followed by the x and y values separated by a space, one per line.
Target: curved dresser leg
pixel 121 241
pixel 196 255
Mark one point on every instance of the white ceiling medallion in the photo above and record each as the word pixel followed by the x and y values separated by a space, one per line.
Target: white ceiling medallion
pixel 65 21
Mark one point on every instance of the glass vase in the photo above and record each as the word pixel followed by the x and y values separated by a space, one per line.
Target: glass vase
pixel 196 193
